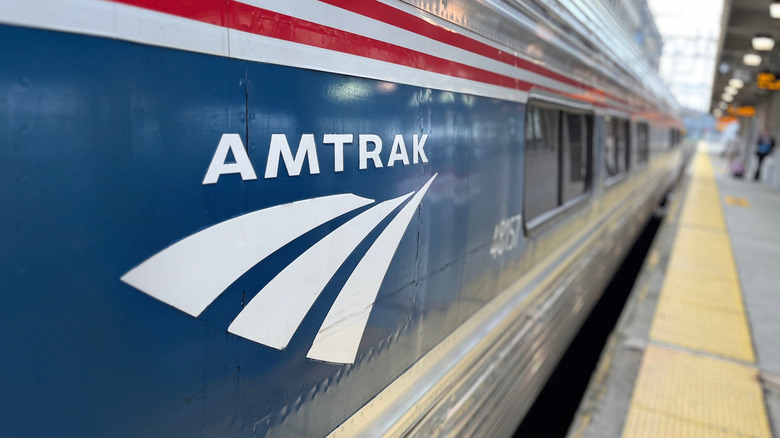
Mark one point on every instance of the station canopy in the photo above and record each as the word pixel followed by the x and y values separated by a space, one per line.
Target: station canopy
pixel 748 64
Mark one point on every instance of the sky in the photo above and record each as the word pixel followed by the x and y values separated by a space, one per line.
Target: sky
pixel 690 29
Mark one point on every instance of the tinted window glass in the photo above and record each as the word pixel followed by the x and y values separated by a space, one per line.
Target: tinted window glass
pixel 575 156
pixel 541 129
pixel 642 143
pixel 610 151
pixel 541 161
pixel 675 137
pixel 615 146
pixel 622 136
pixel 557 158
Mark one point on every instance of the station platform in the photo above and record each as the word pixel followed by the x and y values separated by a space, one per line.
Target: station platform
pixel 696 352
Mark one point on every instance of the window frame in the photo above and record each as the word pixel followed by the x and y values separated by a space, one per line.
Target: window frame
pixel 564 108
pixel 607 179
pixel 637 162
pixel 675 137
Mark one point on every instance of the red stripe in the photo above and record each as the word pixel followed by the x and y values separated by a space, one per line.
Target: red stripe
pixel 395 17
pixel 263 22
pixel 258 21
pixel 206 11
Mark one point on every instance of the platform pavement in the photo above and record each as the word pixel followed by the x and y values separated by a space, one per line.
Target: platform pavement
pixel 754 226
pixel 665 368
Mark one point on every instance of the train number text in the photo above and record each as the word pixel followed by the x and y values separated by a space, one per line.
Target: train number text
pixel 506 235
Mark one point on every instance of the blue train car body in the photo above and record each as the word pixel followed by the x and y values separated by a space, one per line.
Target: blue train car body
pixel 217 227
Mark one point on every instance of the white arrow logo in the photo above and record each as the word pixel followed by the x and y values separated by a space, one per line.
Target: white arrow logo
pixel 190 274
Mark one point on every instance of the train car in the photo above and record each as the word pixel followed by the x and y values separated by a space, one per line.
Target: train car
pixel 314 217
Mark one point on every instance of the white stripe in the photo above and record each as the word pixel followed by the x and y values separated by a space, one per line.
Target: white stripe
pixel 612 103
pixel 339 337
pixel 273 315
pixel 337 18
pixel 271 50
pixel 107 19
pixel 115 20
pixel 193 272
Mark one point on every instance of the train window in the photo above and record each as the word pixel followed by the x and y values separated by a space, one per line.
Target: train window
pixel 622 142
pixel 609 147
pixel 557 158
pixel 541 129
pixel 642 143
pixel 575 156
pixel 674 137
pixel 615 146
pixel 541 160
pixel 664 141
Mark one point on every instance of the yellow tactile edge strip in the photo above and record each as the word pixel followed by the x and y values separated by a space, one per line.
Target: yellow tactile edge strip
pixel 696 378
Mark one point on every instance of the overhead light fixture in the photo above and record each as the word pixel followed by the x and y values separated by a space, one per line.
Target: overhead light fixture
pixel 723 106
pixel 774 9
pixel 763 43
pixel 752 59
pixel 717 112
pixel 726 97
pixel 731 90
pixel 736 83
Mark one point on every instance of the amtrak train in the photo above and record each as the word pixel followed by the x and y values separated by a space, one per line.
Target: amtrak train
pixel 273 218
